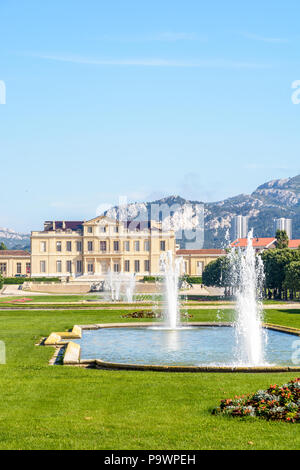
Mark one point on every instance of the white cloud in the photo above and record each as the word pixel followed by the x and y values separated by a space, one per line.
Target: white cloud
pixel 155 62
pixel 273 40
pixel 166 36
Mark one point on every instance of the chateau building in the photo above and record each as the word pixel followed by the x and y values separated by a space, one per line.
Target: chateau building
pixel 94 247
pixel 196 260
pixel 14 263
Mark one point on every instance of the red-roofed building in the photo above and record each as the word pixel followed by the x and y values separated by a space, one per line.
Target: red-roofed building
pixel 196 260
pixel 294 244
pixel 259 243
pixel 14 263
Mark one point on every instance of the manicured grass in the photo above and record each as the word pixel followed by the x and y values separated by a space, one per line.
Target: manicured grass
pixel 59 407
pixel 49 298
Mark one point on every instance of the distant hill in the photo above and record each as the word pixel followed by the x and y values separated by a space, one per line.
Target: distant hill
pixel 274 199
pixel 14 240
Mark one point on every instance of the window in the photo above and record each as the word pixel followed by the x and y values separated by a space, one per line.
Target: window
pixel 69 246
pixel 19 268
pixel 79 246
pixel 69 266
pixel 199 268
pixel 3 268
pixel 102 229
pixel 90 246
pixel 147 265
pixel 79 266
pixel 58 246
pixel 137 246
pixel 104 267
pixel 137 266
pixel 116 229
pixel 90 268
pixel 127 266
pixel 116 246
pixel 116 267
pixel 162 245
pixel 42 266
pixel 43 246
pixel 127 246
pixel 58 266
pixel 28 268
pixel 90 229
pixel 146 245
pixel 102 245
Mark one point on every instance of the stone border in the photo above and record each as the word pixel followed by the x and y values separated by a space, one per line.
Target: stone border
pixel 72 350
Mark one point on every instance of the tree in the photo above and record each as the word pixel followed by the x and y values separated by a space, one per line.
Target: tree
pixel 216 273
pixel 292 276
pixel 2 246
pixel 282 239
pixel 276 263
pixel 1 281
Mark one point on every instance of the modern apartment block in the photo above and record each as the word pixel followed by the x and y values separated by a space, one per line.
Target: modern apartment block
pixel 284 224
pixel 95 247
pixel 240 226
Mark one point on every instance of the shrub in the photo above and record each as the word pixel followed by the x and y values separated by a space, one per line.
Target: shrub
pixel 193 279
pixel 21 280
pixel 279 402
pixel 151 278
pixel 1 281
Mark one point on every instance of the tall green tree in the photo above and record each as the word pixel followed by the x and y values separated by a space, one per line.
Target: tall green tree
pixel 216 273
pixel 292 276
pixel 282 239
pixel 3 246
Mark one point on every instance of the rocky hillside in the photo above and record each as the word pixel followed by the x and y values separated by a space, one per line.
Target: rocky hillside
pixel 14 240
pixel 278 198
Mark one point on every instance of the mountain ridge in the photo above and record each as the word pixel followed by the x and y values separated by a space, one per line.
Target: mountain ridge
pixel 270 200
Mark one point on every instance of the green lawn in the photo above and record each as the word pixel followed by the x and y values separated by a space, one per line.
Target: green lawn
pixel 57 407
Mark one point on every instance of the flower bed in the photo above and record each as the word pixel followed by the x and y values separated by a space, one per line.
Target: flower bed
pixel 278 402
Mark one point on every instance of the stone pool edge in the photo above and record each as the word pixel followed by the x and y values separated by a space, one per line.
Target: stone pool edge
pixel 70 352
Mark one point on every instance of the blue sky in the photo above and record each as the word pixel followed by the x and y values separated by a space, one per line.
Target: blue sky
pixel 143 99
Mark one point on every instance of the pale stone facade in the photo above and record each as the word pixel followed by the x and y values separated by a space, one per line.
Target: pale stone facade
pixel 196 260
pixel 14 263
pixel 92 248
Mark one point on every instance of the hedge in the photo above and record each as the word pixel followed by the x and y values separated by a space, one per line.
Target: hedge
pixel 21 280
pixel 189 279
pixel 193 279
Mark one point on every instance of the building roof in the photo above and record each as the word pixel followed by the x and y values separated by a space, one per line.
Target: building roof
pixel 256 242
pixel 209 251
pixel 294 243
pixel 14 253
pixel 63 225
pixel 139 224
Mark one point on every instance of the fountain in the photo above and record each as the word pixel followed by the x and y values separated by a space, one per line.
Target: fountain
pixel 171 272
pixel 241 346
pixel 120 285
pixel 247 276
pixel 130 287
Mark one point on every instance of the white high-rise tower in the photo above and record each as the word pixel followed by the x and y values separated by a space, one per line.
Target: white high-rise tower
pixel 240 226
pixel 284 224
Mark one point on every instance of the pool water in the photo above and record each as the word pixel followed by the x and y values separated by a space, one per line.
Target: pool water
pixel 194 346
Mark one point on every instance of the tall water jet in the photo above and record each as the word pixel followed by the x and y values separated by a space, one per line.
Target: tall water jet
pixel 129 287
pixel 247 277
pixel 171 271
